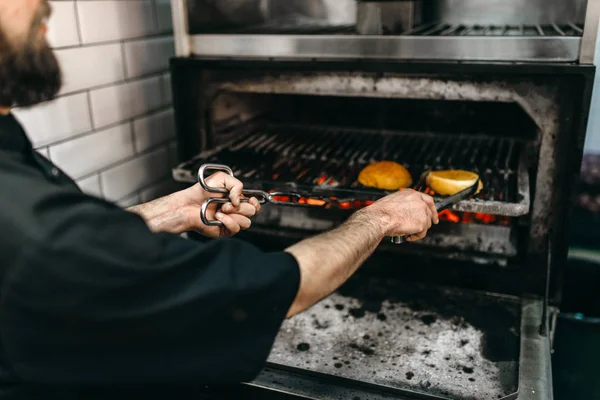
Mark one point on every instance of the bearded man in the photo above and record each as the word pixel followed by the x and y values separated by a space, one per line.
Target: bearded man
pixel 97 302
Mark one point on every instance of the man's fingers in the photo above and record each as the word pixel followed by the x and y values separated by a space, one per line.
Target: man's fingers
pixel 229 223
pixel 254 201
pixel 235 190
pixel 416 236
pixel 245 208
pixel 233 185
pixel 241 221
pixel 431 204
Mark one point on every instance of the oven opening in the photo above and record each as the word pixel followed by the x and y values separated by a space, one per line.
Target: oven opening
pixel 317 145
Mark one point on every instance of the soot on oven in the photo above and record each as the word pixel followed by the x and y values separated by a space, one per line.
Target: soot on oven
pixel 434 340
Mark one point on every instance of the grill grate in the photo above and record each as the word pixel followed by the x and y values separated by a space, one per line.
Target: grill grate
pixel 327 160
pixel 553 29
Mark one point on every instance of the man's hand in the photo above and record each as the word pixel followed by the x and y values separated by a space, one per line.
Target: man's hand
pixel 234 215
pixel 405 213
pixel 180 212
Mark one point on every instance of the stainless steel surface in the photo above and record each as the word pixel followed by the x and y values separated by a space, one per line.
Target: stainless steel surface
pixel 208 29
pixel 179 14
pixel 459 48
pixel 369 19
pixel 535 370
pixel 507 11
pixel 207 16
pixel 590 32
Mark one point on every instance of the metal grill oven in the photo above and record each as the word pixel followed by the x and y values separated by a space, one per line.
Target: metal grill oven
pixel 298 96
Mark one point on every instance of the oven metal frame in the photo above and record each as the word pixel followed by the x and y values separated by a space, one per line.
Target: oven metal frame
pixel 546 49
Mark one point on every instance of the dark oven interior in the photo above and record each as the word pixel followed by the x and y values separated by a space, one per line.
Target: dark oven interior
pixel 441 317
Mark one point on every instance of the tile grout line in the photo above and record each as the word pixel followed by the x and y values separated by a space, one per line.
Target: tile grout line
pixel 146 114
pixel 78 23
pixel 152 36
pixel 114 83
pixel 91 109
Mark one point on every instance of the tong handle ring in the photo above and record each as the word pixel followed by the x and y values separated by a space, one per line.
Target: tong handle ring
pixel 208 202
pixel 214 168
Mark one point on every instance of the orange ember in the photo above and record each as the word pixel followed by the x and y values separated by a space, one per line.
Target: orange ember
pixel 445 215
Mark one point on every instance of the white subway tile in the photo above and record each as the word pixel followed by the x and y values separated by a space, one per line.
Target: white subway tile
pixel 56 120
pixel 86 67
pixel 62 27
pixel 167 91
pixel 115 20
pixel 118 103
pixel 90 185
pixel 90 153
pixel 153 130
pixel 127 178
pixel 164 16
pixel 157 190
pixel 148 56
pixel 132 200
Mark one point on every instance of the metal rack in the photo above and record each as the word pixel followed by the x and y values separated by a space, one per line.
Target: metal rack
pixel 325 161
pixel 536 30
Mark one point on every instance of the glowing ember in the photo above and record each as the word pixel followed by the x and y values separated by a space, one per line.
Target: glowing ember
pixel 445 215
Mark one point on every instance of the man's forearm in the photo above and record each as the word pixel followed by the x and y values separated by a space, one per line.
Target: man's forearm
pixel 326 261
pixel 161 215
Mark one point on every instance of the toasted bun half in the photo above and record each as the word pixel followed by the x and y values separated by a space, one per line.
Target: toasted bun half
pixel 386 175
pixel 449 182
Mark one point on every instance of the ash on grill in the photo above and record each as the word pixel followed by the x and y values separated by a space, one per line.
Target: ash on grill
pixel 377 331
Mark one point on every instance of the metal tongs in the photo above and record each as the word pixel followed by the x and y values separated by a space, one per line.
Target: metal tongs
pixel 262 196
pixel 444 204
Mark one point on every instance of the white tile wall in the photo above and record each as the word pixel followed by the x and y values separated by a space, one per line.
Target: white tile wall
pixel 91 185
pixel 59 119
pixel 148 56
pixel 62 28
pixel 103 21
pixel 92 152
pixel 153 130
pixel 127 100
pixel 111 128
pixel 127 178
pixel 86 67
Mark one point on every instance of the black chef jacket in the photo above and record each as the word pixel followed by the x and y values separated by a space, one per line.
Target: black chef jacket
pixel 91 301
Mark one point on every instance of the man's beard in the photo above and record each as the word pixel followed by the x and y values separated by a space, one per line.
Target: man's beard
pixel 30 74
